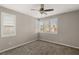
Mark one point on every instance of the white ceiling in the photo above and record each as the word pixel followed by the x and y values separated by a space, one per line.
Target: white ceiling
pixel 58 8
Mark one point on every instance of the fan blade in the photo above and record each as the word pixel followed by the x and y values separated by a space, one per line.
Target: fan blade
pixel 48 10
pixel 34 9
pixel 45 13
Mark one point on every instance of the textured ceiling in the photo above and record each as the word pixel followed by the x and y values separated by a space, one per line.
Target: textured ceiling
pixel 26 8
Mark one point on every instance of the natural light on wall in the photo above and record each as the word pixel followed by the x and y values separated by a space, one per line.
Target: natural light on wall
pixel 8 24
pixel 48 26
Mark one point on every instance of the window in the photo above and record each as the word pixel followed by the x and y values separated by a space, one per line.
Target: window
pixel 41 26
pixel 53 25
pixel 8 24
pixel 48 25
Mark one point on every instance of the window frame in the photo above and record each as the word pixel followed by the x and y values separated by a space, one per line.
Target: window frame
pixel 2 25
pixel 49 21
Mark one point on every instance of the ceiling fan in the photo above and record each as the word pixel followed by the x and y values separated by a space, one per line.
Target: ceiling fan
pixel 42 10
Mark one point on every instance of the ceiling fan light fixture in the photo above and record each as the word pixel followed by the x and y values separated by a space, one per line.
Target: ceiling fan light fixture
pixel 42 10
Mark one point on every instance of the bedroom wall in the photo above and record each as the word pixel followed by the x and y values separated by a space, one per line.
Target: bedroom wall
pixel 25 30
pixel 68 30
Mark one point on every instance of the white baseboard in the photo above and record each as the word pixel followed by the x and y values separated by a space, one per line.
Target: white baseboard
pixel 35 40
pixel 60 43
pixel 16 46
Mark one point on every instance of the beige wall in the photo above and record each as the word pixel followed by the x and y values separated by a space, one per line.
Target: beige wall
pixel 68 30
pixel 25 30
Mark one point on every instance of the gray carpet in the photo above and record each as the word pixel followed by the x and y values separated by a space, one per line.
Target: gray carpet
pixel 42 48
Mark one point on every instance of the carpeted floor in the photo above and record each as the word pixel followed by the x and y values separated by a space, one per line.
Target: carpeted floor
pixel 42 48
